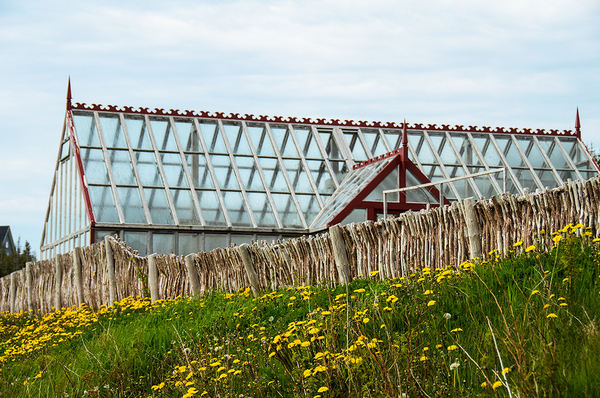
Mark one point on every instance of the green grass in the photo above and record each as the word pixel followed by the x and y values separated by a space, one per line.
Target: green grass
pixel 433 333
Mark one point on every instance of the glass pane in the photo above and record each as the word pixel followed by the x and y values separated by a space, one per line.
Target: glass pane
pixel 100 235
pixel 261 141
pixel 331 148
pixel 422 195
pixel 188 137
pixel 526 180
pixel 488 151
pixel 532 153
pixel 237 139
pixel 261 208
pixel 241 239
pixel 85 128
pixel 310 207
pixel 184 207
pixel 284 142
pixel 131 205
pixel 163 135
pixel 321 176
pixel 211 210
pixel 163 243
pixel 111 130
pixel 297 176
pixel 510 152
pixel 214 241
pixel 212 137
pixel 465 150
pixel 393 138
pixel 121 167
pixel 358 152
pixel 236 208
pixel 554 153
pixel 443 149
pixel 374 141
pixel 307 142
pixel 103 204
pixel 389 182
pixel 339 169
pixel 158 206
pixel 138 134
pixel 189 243
pixel 356 216
pixel 172 166
pixel 286 210
pixel 137 241
pixel 199 171
pixel 249 173
pixel 148 169
pixel 421 148
pixel 224 172
pixel 273 175
pixel 93 164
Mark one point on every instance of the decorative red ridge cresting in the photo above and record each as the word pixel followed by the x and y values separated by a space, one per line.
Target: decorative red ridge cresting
pixel 319 121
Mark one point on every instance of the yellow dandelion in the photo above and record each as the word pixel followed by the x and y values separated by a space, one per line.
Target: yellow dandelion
pixel 506 371
pixel 359 291
pixel 452 347
pixel 551 315
pixel 483 385
pixel 530 248
pixel 366 320
pixel 323 389
pixel 423 358
pixel 497 384
pixel 430 303
pixel 519 243
pixel 373 273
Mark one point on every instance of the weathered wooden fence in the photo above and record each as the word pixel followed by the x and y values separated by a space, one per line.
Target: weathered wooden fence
pixel 395 246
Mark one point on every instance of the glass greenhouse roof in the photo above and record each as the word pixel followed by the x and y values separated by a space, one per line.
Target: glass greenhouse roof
pixel 215 172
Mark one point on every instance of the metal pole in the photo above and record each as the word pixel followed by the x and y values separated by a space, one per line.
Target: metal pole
pixel 504 180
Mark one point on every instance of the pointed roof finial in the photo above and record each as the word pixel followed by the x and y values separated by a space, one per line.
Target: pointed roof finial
pixel 69 94
pixel 404 135
pixel 577 124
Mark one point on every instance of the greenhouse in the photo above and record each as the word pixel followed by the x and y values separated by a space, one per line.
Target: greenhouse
pixel 183 182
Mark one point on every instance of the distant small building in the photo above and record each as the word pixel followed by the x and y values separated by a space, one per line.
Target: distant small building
pixel 6 240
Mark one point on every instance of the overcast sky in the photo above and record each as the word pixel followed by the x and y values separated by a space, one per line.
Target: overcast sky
pixel 510 63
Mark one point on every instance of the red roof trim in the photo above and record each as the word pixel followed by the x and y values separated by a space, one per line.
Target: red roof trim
pixel 319 121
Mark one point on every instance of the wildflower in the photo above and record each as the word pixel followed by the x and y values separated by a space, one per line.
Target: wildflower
pixel 447 316
pixel 430 303
pixel 452 347
pixel 454 365
pixel 565 280
pixel 519 243
pixel 596 240
pixel 483 385
pixel 456 330
pixel 366 320
pixel 497 384
pixel 323 389
pixel 557 238
pixel 159 386
pixel 423 358
pixel 292 298
pixel 191 392
pixel 359 291
pixel 530 248
pixel 506 371
pixel 551 315
pixel 534 292
pixel 427 292
pixel 563 304
pixel 373 273
pixel 438 346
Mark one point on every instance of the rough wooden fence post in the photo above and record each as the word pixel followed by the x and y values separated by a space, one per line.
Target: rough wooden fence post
pixel 58 283
pixel 28 285
pixel 339 252
pixel 192 274
pixel 12 291
pixel 153 277
pixel 78 279
pixel 110 263
pixel 247 260
pixel 473 232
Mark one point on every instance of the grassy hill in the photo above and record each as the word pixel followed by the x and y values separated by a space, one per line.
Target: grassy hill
pixel 521 324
